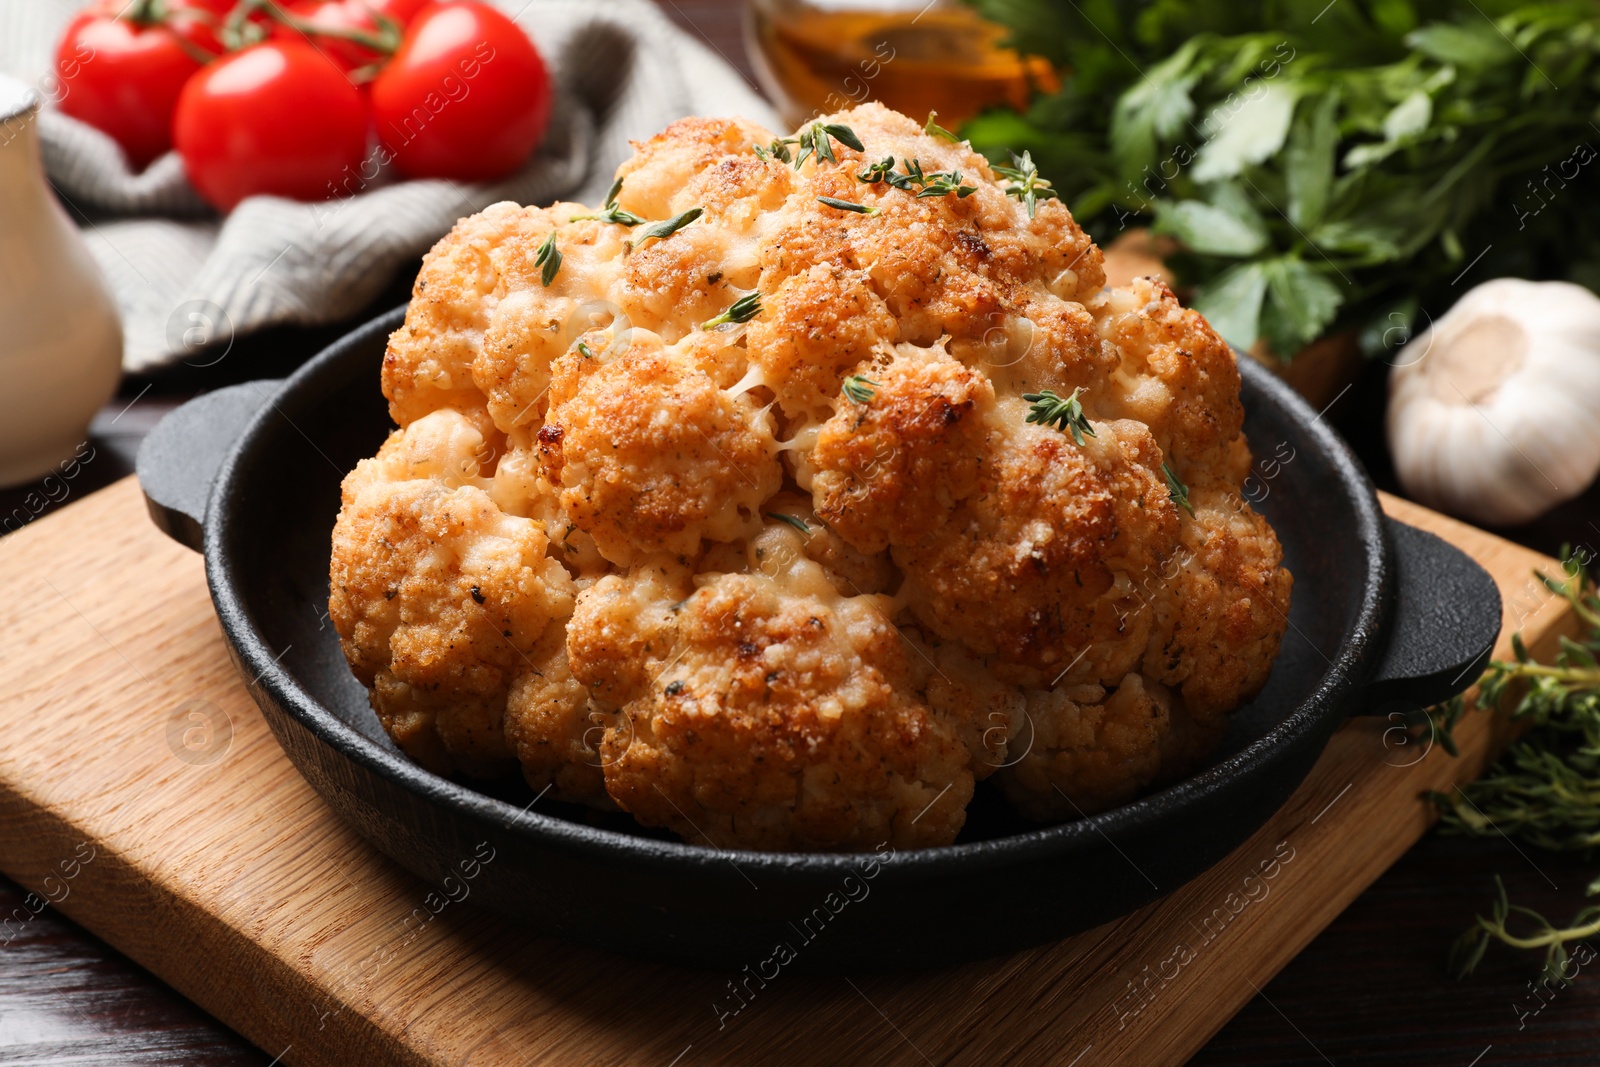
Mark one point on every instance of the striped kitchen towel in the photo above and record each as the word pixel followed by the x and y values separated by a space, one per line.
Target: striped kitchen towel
pixel 184 277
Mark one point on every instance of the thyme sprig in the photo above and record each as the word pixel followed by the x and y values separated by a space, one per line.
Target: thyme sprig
pixel 611 212
pixel 1025 183
pixel 933 129
pixel 549 258
pixel 667 227
pixel 797 523
pixel 1064 413
pixel 938 183
pixel 742 310
pixel 1546 788
pixel 847 205
pixel 1176 490
pixel 860 389
pixel 817 138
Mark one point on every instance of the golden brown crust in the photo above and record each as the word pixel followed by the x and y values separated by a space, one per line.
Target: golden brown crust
pixel 736 593
pixel 772 714
pixel 439 597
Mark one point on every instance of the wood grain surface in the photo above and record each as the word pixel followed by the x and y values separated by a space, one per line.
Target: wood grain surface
pixel 144 796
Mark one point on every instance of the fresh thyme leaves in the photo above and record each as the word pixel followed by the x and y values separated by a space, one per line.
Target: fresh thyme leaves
pixel 667 227
pixel 820 134
pixel 778 149
pixel 611 212
pixel 939 183
pixel 798 524
pixel 883 171
pixel 586 353
pixel 1468 949
pixel 847 205
pixel 1546 788
pixel 548 257
pixel 859 389
pixel 744 309
pixel 933 129
pixel 1176 489
pixel 1026 185
pixel 1065 414
pixel 816 138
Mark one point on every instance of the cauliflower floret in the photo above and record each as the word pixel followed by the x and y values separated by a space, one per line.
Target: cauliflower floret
pixel 1012 538
pixel 554 727
pixel 891 469
pixel 768 712
pixel 1220 617
pixel 1087 749
pixel 814 328
pixel 438 596
pixel 1175 375
pixel 758 529
pixel 651 456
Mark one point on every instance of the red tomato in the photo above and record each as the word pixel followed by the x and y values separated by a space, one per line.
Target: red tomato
pixel 276 118
pixel 466 96
pixel 121 67
pixel 402 11
pixel 324 21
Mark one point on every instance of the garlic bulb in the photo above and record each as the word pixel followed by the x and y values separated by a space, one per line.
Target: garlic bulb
pixel 1494 411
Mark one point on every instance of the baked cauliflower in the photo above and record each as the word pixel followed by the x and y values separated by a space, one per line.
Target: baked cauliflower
pixel 796 489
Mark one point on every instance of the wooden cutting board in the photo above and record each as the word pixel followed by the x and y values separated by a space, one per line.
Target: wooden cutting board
pixel 141 792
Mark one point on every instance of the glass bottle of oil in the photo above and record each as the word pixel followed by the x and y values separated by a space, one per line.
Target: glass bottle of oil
pixel 916 56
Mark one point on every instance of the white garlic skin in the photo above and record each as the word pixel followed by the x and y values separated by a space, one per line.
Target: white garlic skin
pixel 1494 411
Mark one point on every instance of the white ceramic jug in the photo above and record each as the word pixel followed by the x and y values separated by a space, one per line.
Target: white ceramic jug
pixel 60 338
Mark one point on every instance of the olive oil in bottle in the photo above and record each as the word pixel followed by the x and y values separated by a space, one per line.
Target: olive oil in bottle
pixel 915 58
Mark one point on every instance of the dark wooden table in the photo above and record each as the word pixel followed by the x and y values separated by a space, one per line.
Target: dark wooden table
pixel 1370 990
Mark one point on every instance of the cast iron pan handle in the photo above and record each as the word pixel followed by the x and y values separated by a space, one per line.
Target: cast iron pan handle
pixel 1444 624
pixel 180 459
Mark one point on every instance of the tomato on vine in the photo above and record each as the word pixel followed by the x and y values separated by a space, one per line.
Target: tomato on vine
pixel 122 66
pixel 466 95
pixel 276 118
pixel 352 33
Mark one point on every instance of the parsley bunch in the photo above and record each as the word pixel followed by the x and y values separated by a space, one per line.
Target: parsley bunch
pixel 1324 166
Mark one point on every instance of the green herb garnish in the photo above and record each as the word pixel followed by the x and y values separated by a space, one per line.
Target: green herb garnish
pixel 816 138
pixel 798 524
pixel 938 183
pixel 1025 183
pixel 611 212
pixel 549 258
pixel 1546 788
pixel 1065 414
pixel 1176 489
pixel 859 389
pixel 667 227
pixel 583 350
pixel 778 149
pixel 1324 169
pixel 743 309
pixel 933 129
pixel 847 205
